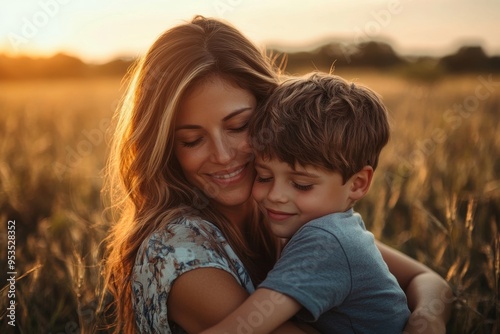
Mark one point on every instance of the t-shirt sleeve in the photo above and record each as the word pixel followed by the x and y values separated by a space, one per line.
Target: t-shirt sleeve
pixel 165 256
pixel 314 270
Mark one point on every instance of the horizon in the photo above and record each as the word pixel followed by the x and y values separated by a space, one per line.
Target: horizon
pixel 284 49
pixel 98 32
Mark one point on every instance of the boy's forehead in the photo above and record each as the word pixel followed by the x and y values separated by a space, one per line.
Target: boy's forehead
pixel 266 161
pixel 270 161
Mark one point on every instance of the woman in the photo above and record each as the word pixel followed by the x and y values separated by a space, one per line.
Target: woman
pixel 190 240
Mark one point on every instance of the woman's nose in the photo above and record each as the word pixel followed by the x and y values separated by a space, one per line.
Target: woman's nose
pixel 223 150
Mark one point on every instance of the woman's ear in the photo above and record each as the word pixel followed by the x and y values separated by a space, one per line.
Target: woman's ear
pixel 360 183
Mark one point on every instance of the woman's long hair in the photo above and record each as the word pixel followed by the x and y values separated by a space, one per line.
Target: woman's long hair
pixel 145 185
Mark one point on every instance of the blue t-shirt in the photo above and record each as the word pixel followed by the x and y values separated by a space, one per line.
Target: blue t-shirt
pixel 333 268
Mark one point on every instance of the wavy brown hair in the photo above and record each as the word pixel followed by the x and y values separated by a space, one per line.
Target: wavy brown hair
pixel 145 185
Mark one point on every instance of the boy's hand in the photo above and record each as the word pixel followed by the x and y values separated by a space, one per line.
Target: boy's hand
pixel 306 328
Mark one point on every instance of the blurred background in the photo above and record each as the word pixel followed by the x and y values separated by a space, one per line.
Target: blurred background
pixel 436 193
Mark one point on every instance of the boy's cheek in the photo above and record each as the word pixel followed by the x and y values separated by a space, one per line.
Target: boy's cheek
pixel 258 191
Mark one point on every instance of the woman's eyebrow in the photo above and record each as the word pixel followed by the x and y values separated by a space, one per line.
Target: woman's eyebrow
pixel 236 112
pixel 197 127
pixel 188 127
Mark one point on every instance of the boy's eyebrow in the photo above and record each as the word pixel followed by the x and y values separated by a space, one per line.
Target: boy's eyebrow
pixel 257 164
pixel 304 174
pixel 294 172
pixel 231 115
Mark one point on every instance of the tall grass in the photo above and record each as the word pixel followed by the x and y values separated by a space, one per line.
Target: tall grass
pixel 52 151
pixel 436 193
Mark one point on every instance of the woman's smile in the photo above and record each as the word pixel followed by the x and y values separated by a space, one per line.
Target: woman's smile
pixel 229 176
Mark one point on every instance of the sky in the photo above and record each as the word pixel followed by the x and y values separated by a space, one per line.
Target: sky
pixel 100 30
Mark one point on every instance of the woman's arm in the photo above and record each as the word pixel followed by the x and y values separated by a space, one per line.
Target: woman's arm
pixel 430 298
pixel 203 297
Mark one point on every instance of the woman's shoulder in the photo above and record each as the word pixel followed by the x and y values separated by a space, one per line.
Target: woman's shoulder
pixel 185 231
pixel 187 240
pixel 182 245
pixel 192 225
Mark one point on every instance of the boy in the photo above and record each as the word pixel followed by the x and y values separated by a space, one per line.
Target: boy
pixel 317 141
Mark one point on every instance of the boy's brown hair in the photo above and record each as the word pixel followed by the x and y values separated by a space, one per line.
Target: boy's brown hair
pixel 321 120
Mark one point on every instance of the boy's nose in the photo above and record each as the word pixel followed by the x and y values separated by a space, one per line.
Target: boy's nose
pixel 276 194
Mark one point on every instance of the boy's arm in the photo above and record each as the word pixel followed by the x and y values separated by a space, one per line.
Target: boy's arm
pixel 263 312
pixel 430 298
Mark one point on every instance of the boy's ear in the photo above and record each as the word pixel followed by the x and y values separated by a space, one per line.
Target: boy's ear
pixel 360 183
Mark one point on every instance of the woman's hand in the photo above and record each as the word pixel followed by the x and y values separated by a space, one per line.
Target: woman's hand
pixel 430 299
pixel 429 296
pixel 422 321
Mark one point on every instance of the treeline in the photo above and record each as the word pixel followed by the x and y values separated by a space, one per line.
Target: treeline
pixel 58 66
pixel 338 55
pixel 382 56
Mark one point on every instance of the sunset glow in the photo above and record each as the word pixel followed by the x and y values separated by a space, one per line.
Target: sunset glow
pixel 98 31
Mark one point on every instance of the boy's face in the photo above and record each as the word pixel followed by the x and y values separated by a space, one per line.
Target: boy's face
pixel 291 197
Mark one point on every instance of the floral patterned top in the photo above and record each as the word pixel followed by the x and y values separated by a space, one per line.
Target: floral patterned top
pixel 183 245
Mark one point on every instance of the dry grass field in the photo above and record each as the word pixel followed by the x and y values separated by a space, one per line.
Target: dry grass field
pixel 436 194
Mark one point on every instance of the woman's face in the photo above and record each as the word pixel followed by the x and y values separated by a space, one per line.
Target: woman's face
pixel 211 140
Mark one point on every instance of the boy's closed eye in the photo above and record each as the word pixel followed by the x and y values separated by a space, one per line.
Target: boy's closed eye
pixel 262 179
pixel 302 187
pixel 296 185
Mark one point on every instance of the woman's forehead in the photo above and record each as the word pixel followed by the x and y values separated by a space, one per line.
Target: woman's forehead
pixel 217 97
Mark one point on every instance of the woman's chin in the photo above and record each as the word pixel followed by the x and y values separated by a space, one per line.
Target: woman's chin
pixel 233 198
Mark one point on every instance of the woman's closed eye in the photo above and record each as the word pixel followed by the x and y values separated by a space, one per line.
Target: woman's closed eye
pixel 240 128
pixel 192 143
